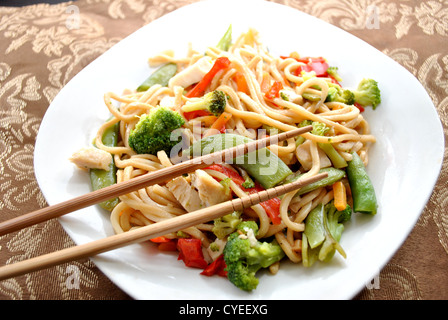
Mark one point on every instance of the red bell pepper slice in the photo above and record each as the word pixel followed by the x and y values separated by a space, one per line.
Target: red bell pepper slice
pixel 165 244
pixel 160 239
pixel 229 173
pixel 190 251
pixel 271 206
pixel 320 68
pixel 194 114
pixel 299 70
pixel 241 82
pixel 199 89
pixel 316 64
pixel 274 91
pixel 360 107
pixel 168 246
pixel 216 267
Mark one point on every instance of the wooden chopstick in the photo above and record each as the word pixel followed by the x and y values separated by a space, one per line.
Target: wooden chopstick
pixel 137 183
pixel 150 231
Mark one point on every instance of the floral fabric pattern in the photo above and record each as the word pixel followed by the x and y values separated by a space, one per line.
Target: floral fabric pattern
pixel 40 51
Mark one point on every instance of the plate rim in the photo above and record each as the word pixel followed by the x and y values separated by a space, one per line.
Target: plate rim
pixel 208 2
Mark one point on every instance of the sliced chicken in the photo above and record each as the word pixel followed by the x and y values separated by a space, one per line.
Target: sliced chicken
pixel 187 196
pixel 210 191
pixel 303 154
pixel 92 158
pixel 216 248
pixel 168 102
pixel 192 74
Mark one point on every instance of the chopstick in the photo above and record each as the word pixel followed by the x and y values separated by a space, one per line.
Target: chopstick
pixel 150 231
pixel 137 183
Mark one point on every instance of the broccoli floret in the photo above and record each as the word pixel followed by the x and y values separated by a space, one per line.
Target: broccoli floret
pixel 152 133
pixel 347 97
pixel 368 93
pixel 242 275
pixel 226 184
pixel 227 224
pixel 244 226
pixel 319 128
pixel 284 96
pixel 244 256
pixel 337 94
pixel 333 72
pixel 213 102
pixel 305 123
pixel 344 215
pixel 248 183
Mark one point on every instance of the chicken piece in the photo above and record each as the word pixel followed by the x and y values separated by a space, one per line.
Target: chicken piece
pixel 291 95
pixel 168 102
pixel 187 196
pixel 216 248
pixel 303 154
pixel 210 191
pixel 192 74
pixel 92 158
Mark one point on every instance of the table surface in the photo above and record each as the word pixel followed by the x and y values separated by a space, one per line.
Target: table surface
pixel 38 57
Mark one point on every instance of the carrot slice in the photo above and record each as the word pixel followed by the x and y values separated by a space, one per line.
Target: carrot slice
pixel 340 196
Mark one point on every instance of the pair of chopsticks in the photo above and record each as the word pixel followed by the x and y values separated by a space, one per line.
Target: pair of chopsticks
pixel 154 230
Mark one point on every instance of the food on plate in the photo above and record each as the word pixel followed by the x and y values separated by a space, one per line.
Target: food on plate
pixel 229 94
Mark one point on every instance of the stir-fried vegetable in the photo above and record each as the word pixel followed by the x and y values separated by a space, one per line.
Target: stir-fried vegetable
pixel 271 206
pixel 340 195
pixel 337 160
pixel 363 192
pixel 190 251
pixel 262 165
pixel 333 175
pixel 153 132
pixel 199 89
pixel 226 41
pixel 323 231
pixel 100 178
pixel 161 76
pixel 213 102
pixel 244 256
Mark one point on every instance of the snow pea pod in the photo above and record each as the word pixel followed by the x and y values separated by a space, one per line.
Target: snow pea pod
pixel 323 233
pixel 336 159
pixel 226 40
pixel 333 175
pixel 100 178
pixel 314 227
pixel 262 165
pixel 363 192
pixel 161 76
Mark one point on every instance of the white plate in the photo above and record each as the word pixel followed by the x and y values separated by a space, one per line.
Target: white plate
pixel 396 161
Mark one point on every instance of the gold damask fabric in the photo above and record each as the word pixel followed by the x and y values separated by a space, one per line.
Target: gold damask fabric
pixel 40 53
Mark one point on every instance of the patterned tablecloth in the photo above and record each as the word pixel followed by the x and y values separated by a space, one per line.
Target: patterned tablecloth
pixel 39 55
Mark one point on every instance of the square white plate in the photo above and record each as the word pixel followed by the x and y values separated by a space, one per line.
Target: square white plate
pixel 396 161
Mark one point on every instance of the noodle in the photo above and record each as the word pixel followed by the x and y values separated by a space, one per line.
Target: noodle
pixel 250 111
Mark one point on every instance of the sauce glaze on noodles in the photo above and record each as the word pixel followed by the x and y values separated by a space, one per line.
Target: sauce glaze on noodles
pixel 250 111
